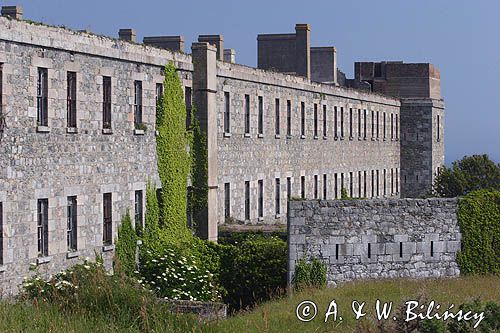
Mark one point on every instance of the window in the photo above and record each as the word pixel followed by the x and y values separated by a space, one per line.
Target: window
pixel 261 115
pixel 392 181
pixel 227 200
pixel 189 105
pixel 72 224
pixel 335 185
pixel 397 127
pixel 315 120
pixel 364 184
pixel 277 196
pixel 335 129
pixel 364 124
pixel 288 188
pixel 341 122
pixel 247 200
pixel 397 180
pixel 227 111
pixel 106 102
pixel 378 125
pixel 315 186
pixel 1 89
pixel 1 225
pixel 325 126
pixel 261 198
pixel 303 187
pixel 359 122
pixel 359 184
pixel 392 126
pixel 351 187
pixel 438 129
pixel 43 227
pixel 159 93
pixel 107 219
pixel 373 123
pixel 378 183
pixel 139 221
pixel 341 183
pixel 302 118
pixel 137 103
pixel 385 188
pixel 277 117
pixel 247 114
pixel 71 99
pixel 324 186
pixel 373 183
pixel 385 127
pixel 42 97
pixel 350 122
pixel 288 118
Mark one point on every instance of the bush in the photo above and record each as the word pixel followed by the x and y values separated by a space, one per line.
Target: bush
pixel 490 323
pixel 479 220
pixel 125 246
pixel 308 275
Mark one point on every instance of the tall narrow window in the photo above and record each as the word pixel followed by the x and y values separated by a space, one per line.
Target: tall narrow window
pixel 247 200
pixel 364 184
pixel 261 115
pixel 43 227
pixel 288 188
pixel 335 186
pixel 392 126
pixel 325 123
pixel 397 127
pixel 137 103
pixel 385 186
pixel 107 219
pixel 341 121
pixel 315 120
pixel 247 114
pixel 288 118
pixel 189 105
pixel 227 111
pixel 71 99
pixel 359 122
pixel 1 89
pixel 350 122
pixel 261 198
pixel 373 183
pixel 397 180
pixel 378 124
pixel 378 183
pixel 359 184
pixel 341 183
pixel 392 181
pixel 277 117
pixel 227 200
pixel 373 123
pixel 139 213
pixel 315 186
pixel 335 128
pixel 385 123
pixel 159 93
pixel 303 187
pixel 438 128
pixel 325 186
pixel 42 104
pixel 106 102
pixel 72 214
pixel 302 118
pixel 277 197
pixel 351 185
pixel 1 225
pixel 364 124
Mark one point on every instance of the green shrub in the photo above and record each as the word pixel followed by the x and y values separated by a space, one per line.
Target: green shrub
pixel 125 246
pixel 479 220
pixel 309 274
pixel 490 323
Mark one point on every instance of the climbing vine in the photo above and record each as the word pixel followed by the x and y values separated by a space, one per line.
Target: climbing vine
pixel 173 158
pixel 125 245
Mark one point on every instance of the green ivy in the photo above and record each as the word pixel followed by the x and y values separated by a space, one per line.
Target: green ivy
pixel 199 174
pixel 479 220
pixel 173 158
pixel 309 274
pixel 125 246
pixel 151 233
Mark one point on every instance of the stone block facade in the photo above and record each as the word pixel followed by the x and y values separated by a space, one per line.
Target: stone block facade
pixel 359 239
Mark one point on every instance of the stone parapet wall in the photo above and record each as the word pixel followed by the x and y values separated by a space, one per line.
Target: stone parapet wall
pixel 359 239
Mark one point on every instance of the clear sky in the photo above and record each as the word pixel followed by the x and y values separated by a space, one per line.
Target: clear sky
pixel 461 38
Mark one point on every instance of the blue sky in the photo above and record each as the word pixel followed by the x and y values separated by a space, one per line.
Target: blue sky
pixel 460 37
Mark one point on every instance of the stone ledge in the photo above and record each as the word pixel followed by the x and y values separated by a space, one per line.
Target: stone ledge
pixel 107 248
pixel 246 135
pixel 72 130
pixel 260 135
pixel 2 268
pixel 227 135
pixel 107 131
pixel 302 136
pixel 43 129
pixel 43 260
pixel 277 136
pixel 138 132
pixel 71 255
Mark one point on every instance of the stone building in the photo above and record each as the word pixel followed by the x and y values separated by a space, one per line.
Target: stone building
pixel 78 147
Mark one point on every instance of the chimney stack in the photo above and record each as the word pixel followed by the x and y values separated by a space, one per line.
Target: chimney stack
pixel 230 55
pixel 303 50
pixel 15 12
pixel 173 43
pixel 215 40
pixel 127 34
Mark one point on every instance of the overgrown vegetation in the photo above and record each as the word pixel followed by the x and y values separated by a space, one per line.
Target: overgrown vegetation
pixel 126 246
pixel 469 174
pixel 309 274
pixel 479 220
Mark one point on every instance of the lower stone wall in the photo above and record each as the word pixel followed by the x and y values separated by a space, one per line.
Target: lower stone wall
pixel 376 238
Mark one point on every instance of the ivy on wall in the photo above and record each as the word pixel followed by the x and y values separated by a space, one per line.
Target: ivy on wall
pixel 479 221
pixel 199 174
pixel 125 245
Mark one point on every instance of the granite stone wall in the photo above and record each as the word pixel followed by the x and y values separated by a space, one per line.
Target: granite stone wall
pixel 360 239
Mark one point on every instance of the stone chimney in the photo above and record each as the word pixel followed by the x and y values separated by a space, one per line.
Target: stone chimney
pixel 15 12
pixel 127 34
pixel 230 55
pixel 303 50
pixel 215 40
pixel 173 43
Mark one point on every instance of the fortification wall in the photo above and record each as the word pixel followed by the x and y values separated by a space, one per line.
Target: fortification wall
pixel 265 156
pixel 55 161
pixel 360 239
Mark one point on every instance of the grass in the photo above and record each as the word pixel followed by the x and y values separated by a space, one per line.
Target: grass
pixel 273 316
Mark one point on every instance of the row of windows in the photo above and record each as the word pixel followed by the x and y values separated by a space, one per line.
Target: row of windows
pixel 366 120
pixel 71 100
pixel 341 181
pixel 72 222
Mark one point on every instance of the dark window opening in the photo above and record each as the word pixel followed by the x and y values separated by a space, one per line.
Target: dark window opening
pixel 277 196
pixel 247 200
pixel 315 120
pixel 359 122
pixel 261 198
pixel 71 99
pixel 341 122
pixel 432 248
pixel 336 251
pixel 1 234
pixel 107 219
pixel 227 111
pixel 288 118
pixel 350 122
pixel 106 102
pixel 247 114
pixel 369 250
pixel 138 209
pixel 351 180
pixel 359 184
pixel 364 124
pixel 288 188
pixel 302 118
pixel 227 200
pixel 261 115
pixel 277 117
pixel 189 106
pixel 43 227
pixel 303 187
pixel 325 123
pixel 137 103
pixel 42 97
pixel 335 122
pixel 335 185
pixel 324 186
pixel 400 249
pixel 315 186
pixel 72 224
pixel 159 93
